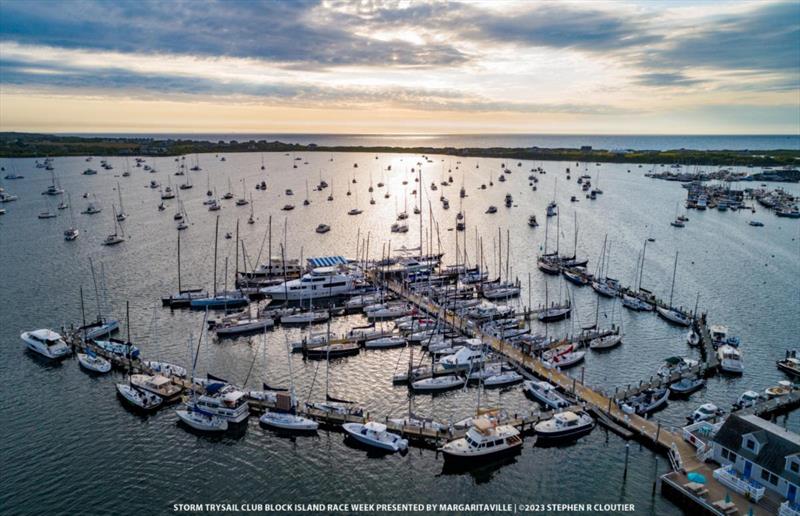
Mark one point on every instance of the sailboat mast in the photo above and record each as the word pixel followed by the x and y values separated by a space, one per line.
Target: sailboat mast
pixel 216 237
pixel 179 262
pixel 641 268
pixel 672 288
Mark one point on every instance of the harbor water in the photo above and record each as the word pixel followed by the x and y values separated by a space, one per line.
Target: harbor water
pixel 69 446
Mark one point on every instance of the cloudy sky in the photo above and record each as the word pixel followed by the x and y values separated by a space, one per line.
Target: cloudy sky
pixel 322 66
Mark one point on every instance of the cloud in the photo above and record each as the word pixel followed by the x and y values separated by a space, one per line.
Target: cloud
pixel 291 32
pixel 666 79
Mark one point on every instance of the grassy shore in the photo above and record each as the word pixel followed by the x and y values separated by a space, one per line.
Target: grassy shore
pixel 39 145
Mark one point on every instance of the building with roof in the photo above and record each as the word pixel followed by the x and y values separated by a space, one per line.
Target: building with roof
pixel 760 451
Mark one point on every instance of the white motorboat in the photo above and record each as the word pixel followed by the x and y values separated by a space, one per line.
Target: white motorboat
pixel 287 421
pixel 686 386
pixel 747 399
pixel 47 343
pixel 243 326
pixel 139 399
pixel 607 342
pixel 118 347
pixel 674 365
pixel 165 368
pixel 564 425
pixel 730 359
pixel 321 282
pixel 503 379
pixel 704 412
pixel 323 228
pixel 224 401
pixel 693 338
pixel 311 317
pixel 438 383
pixel 646 402
pixel 485 439
pixel 375 435
pixel 413 421
pixel 201 420
pixel 93 362
pixel 545 393
pixel 393 341
pixel 471 354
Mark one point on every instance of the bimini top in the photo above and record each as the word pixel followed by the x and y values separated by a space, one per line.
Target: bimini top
pixel 326 261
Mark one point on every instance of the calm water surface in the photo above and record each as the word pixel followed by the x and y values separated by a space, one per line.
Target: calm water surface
pixel 69 446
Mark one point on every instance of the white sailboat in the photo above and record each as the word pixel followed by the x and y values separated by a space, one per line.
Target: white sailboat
pixel 288 419
pixel 118 236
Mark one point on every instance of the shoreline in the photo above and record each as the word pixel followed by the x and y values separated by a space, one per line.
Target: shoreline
pixel 32 145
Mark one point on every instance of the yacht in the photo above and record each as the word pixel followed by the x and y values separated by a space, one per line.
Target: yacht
pixel 375 435
pixel 321 282
pixel 139 399
pixel 93 363
pixel 730 359
pixel 224 401
pixel 485 439
pixel 47 343
pixel 157 384
pixel 546 393
pixel 91 209
pixel 565 425
pixel 277 268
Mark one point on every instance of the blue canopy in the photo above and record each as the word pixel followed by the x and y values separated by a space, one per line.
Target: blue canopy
pixel 696 477
pixel 326 261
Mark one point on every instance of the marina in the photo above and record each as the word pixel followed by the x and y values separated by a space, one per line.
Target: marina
pixel 399 310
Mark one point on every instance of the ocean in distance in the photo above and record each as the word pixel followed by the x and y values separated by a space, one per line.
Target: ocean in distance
pixel 550 141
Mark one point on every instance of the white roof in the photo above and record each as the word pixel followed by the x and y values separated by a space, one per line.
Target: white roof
pixel 45 334
pixel 375 427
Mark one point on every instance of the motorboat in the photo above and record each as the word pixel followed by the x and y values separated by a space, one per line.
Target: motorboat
pixel 355 211
pixel 412 421
pixel 546 393
pixel 484 440
pixel 790 364
pixel 686 386
pixel 438 383
pixel 243 326
pixel 47 343
pixel 375 434
pixel 321 282
pixel 747 399
pixel 565 425
pixel 165 368
pixel 71 234
pixel 676 365
pixel 139 399
pixel 323 228
pixel 470 355
pixel 783 388
pixel 93 363
pixel 200 420
pixel 756 223
pixel 693 338
pixel 730 359
pixel 157 384
pixel 705 412
pixel 224 401
pixel 532 221
pixel 646 402
pixel 491 209
pixel 607 342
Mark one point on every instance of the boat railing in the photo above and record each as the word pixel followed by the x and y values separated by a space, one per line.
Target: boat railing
pixel 728 476
pixel 789 509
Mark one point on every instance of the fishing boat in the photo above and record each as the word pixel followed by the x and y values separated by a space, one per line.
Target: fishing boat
pixel 730 360
pixel 705 412
pixel 140 400
pixel 47 343
pixel 485 440
pixel 646 402
pixel 546 393
pixel 565 425
pixel 93 363
pixel 686 386
pixel 375 434
pixel 437 384
pixel 790 364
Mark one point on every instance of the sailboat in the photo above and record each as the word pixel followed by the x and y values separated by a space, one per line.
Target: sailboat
pixel 228 194
pixel 609 341
pixel 167 193
pixel 209 192
pixel 195 417
pixel 307 201
pixel 188 183
pixel 48 212
pixel 121 215
pixel 601 283
pixel 71 233
pixel 134 396
pixel 252 218
pixel 355 210
pixel 670 313
pixel 637 300
pixel 285 417
pixel 225 299
pixel 183 217
pixel 118 236
pixel 184 296
pixel 241 201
